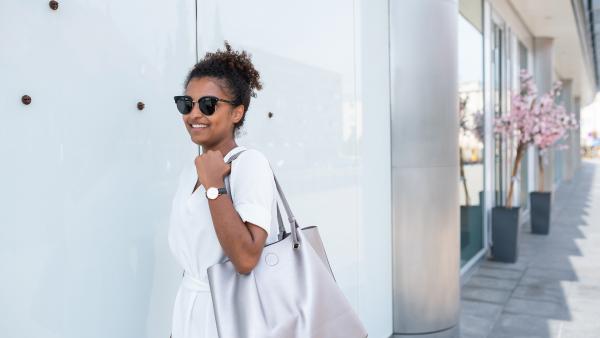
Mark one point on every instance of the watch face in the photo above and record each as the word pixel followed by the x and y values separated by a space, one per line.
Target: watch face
pixel 212 193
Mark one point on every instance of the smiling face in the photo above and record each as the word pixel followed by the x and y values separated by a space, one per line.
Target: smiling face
pixel 217 128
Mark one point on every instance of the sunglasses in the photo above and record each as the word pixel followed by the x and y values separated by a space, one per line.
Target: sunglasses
pixel 207 104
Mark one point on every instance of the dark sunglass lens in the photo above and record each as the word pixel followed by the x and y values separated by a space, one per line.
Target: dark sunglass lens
pixel 184 106
pixel 207 105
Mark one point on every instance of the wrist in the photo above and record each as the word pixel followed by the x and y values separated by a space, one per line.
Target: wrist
pixel 217 183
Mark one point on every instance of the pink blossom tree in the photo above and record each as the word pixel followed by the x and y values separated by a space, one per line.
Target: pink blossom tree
pixel 531 120
pixel 551 124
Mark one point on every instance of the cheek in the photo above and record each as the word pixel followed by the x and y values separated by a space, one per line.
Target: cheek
pixel 221 121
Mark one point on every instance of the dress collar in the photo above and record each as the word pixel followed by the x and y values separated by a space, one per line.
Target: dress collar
pixel 233 151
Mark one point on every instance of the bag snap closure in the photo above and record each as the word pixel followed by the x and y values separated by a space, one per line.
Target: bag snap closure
pixel 271 259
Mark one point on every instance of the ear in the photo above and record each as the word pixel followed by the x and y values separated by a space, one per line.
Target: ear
pixel 238 113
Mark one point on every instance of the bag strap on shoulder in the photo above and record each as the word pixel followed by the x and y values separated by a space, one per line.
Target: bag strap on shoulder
pixel 293 223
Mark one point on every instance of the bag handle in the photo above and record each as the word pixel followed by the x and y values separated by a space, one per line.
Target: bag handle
pixel 293 223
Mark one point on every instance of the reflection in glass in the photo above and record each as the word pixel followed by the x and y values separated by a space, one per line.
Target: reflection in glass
pixel 499 107
pixel 471 140
pixel 524 199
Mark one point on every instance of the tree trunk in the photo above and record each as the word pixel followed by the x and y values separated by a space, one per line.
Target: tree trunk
pixel 520 148
pixel 541 167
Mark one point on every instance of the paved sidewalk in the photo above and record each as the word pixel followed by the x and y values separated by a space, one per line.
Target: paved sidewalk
pixel 553 290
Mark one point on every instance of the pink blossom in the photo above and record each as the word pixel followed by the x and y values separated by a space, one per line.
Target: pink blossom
pixel 541 121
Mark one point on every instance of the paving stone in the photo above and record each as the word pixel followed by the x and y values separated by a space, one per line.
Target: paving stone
pixel 524 326
pixel 492 283
pixel 485 294
pixel 499 273
pixel 549 293
pixel 546 309
pixel 551 273
pixel 576 291
pixel 480 309
pixel 475 327
pixel 538 281
pixel 477 318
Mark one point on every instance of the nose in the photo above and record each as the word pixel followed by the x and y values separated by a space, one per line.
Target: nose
pixel 196 110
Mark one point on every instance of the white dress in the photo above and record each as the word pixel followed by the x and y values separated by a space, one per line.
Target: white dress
pixel 193 240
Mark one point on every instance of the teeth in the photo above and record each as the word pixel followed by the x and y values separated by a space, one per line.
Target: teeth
pixel 198 125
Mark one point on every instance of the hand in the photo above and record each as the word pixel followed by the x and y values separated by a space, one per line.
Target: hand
pixel 211 168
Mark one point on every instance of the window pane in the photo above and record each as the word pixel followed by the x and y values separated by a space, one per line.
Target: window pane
pixel 471 145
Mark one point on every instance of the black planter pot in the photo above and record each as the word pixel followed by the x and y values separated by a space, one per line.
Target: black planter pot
pixel 540 212
pixel 505 231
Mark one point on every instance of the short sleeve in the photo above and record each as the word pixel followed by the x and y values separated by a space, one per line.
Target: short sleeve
pixel 252 187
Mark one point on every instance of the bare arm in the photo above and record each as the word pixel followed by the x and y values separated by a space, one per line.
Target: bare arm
pixel 241 241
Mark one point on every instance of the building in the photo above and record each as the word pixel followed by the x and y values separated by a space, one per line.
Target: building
pixel 364 134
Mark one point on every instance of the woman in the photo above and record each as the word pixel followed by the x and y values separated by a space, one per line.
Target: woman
pixel 207 224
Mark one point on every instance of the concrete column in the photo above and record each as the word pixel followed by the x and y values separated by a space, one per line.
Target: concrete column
pixel 567 155
pixel 425 171
pixel 543 74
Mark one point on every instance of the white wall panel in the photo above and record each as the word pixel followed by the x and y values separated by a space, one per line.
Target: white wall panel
pixel 86 178
pixel 315 140
pixel 305 57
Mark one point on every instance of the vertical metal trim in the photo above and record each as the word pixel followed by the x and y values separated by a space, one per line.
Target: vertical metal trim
pixel 488 111
pixel 507 146
pixel 196 27
pixel 357 75
pixel 391 187
pixel 531 152
pixel 593 38
pixel 196 48
pixel 469 264
pixel 391 173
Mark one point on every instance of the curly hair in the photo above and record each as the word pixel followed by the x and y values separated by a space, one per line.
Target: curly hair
pixel 235 69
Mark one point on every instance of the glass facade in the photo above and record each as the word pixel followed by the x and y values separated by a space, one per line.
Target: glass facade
pixel 471 131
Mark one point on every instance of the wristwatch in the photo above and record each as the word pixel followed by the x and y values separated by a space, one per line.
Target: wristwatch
pixel 212 192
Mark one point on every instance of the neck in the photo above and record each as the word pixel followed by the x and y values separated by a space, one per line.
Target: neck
pixel 224 147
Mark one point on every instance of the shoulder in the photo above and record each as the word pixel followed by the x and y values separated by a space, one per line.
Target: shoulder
pixel 253 157
pixel 252 161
